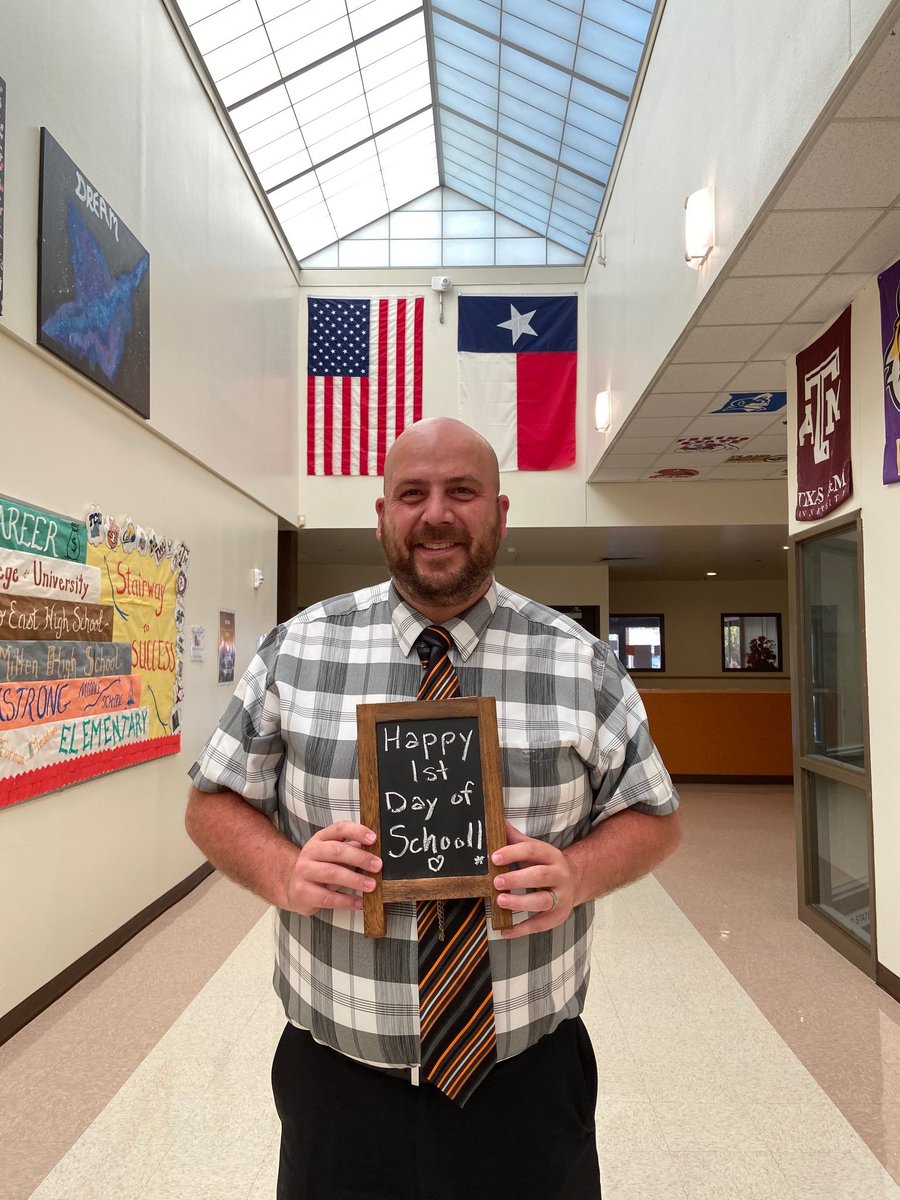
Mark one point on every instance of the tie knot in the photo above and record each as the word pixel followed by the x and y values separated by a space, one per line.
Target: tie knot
pixel 434 638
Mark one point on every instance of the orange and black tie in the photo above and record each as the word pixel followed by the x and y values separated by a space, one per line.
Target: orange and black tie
pixel 456 997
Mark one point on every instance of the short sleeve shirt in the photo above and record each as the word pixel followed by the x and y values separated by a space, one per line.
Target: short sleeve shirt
pixel 575 749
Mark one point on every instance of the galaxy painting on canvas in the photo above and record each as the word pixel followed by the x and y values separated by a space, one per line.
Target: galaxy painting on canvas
pixel 93 282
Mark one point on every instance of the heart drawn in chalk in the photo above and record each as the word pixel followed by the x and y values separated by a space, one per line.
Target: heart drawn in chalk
pixel 435 864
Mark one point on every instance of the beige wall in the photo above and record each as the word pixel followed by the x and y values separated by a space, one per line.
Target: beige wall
pixel 693 616
pixel 123 101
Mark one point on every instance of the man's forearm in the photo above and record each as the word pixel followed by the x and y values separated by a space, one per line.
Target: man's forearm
pixel 620 850
pixel 241 842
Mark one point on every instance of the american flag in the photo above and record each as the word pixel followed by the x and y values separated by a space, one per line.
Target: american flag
pixel 364 381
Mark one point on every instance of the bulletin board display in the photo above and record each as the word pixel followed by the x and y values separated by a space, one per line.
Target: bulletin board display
pixel 91 647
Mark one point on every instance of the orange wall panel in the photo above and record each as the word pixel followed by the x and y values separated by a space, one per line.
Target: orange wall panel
pixel 721 733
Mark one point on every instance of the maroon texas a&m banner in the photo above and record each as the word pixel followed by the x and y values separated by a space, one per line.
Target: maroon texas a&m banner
pixel 823 422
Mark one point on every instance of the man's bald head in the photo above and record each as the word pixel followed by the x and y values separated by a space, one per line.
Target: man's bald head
pixel 434 437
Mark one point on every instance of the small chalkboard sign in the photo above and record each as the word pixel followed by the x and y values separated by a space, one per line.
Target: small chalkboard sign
pixel 429 786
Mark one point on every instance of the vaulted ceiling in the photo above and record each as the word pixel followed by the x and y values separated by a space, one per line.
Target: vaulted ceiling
pixel 349 109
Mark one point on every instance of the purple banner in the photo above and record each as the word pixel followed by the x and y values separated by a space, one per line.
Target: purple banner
pixel 824 479
pixel 889 292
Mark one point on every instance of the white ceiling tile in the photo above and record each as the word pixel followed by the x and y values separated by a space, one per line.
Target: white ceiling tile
pixel 878 249
pixel 740 471
pixel 850 166
pixel 757 300
pixel 788 340
pixel 642 445
pixel 655 427
pixel 701 459
pixel 768 444
pixel 760 377
pixel 877 94
pixel 675 404
pixel 713 343
pixel 743 424
pixel 696 377
pixel 803 243
pixel 830 298
pixel 604 475
pixel 679 474
pixel 625 462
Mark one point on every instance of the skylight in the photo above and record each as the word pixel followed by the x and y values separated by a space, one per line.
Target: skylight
pixel 350 109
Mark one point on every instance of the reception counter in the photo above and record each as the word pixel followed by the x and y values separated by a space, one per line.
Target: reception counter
pixel 722 734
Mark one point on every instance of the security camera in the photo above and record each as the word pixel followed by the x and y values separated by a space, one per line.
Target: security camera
pixel 441 283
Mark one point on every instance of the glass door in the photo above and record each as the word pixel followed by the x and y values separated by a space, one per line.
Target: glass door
pixel 832 761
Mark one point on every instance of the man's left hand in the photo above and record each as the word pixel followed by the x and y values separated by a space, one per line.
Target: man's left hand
pixel 546 872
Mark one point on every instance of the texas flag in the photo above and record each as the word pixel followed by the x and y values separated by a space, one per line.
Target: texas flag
pixel 517 360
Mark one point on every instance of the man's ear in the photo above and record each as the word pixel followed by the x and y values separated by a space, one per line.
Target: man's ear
pixel 379 509
pixel 503 505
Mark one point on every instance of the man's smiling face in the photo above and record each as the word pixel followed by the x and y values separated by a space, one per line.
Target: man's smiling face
pixel 440 520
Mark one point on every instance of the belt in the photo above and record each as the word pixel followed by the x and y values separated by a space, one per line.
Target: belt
pixel 407 1074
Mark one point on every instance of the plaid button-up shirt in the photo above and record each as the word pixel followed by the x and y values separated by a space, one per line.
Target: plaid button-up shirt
pixel 575 750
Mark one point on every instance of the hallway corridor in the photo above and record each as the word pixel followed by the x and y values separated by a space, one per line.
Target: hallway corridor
pixel 740 1057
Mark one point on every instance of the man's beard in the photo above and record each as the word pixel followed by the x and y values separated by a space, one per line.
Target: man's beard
pixel 444 586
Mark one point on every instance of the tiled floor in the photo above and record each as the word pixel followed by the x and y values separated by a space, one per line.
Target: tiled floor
pixel 699 1036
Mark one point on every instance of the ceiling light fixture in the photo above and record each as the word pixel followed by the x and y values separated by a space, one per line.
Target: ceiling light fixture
pixel 710 574
pixel 602 412
pixel 699 227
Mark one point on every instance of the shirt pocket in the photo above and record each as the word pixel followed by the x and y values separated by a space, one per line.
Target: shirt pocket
pixel 546 791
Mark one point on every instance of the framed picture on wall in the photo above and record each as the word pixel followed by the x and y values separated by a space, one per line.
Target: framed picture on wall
pixel 93 282
pixel 751 642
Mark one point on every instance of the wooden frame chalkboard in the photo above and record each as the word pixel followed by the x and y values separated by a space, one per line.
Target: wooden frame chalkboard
pixel 430 788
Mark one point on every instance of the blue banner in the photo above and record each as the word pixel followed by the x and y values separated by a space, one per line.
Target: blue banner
pixel 518 324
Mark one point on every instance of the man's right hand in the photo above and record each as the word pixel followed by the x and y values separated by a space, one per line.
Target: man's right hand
pixel 330 869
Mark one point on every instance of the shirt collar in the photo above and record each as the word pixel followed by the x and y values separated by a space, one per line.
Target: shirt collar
pixel 466 629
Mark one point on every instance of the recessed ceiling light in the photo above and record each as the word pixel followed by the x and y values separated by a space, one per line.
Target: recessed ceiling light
pixel 711 573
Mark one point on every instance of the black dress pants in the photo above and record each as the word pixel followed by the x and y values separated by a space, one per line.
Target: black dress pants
pixel 353 1133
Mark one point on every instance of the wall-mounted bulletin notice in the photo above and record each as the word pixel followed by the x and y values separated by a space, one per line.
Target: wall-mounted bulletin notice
pixel 91 647
pixel 430 788
pixel 93 282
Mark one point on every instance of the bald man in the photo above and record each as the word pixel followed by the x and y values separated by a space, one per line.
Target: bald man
pixel 589 807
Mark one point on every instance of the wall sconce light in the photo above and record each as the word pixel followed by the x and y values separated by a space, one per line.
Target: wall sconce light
pixel 601 412
pixel 256 577
pixel 699 227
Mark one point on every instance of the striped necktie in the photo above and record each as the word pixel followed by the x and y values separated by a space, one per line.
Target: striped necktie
pixel 456 998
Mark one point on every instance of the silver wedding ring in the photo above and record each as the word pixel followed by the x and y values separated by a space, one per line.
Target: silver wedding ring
pixel 553 897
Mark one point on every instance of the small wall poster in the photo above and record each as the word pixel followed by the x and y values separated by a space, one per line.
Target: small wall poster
pixel 889 294
pixel 93 283
pixel 824 477
pixel 198 643
pixel 91 647
pixel 226 647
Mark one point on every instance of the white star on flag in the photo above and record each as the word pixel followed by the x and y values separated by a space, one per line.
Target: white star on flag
pixel 518 323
